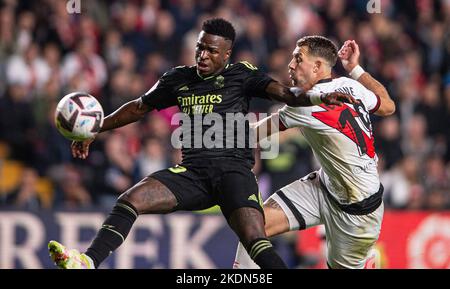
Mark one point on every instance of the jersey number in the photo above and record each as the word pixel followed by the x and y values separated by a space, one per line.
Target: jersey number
pixel 346 118
pixel 353 122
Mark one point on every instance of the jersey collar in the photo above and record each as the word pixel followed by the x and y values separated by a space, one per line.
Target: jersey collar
pixel 211 76
pixel 325 80
pixel 205 78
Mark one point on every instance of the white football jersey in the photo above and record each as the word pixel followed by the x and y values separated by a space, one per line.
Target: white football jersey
pixel 341 139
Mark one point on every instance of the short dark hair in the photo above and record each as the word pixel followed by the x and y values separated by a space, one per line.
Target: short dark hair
pixel 321 47
pixel 220 27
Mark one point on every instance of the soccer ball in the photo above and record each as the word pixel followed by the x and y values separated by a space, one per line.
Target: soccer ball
pixel 79 116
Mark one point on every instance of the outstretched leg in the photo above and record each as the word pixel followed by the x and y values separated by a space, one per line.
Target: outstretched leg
pixel 276 223
pixel 248 223
pixel 146 197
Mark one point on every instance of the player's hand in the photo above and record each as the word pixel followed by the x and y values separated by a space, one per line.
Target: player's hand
pixel 80 149
pixel 349 55
pixel 337 98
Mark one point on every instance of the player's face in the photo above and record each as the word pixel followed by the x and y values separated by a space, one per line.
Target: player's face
pixel 211 53
pixel 302 68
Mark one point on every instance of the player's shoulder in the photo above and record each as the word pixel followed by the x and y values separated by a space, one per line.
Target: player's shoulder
pixel 179 71
pixel 343 80
pixel 340 84
pixel 242 66
pixel 347 81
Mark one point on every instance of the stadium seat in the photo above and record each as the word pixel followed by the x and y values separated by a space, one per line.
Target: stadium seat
pixel 10 173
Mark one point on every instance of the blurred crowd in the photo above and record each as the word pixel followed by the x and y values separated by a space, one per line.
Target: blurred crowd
pixel 116 50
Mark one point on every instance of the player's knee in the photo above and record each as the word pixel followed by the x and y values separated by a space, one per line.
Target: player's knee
pixel 248 223
pixel 250 234
pixel 255 236
pixel 132 197
pixel 139 196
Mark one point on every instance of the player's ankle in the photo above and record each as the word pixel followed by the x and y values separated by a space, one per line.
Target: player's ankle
pixel 90 261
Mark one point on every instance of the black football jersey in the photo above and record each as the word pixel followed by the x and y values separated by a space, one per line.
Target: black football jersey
pixel 202 100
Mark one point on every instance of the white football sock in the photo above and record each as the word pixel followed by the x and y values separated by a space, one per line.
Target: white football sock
pixel 243 260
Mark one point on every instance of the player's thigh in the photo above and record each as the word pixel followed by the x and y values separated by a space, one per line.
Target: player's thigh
pixel 237 194
pixel 238 189
pixel 150 196
pixel 294 207
pixel 167 191
pixel 247 223
pixel 276 220
pixel 350 237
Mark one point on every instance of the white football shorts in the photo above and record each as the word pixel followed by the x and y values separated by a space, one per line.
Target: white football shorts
pixel 349 237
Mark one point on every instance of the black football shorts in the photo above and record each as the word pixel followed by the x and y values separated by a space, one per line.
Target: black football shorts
pixel 199 185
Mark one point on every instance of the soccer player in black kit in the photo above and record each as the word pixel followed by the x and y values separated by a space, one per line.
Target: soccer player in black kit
pixel 207 176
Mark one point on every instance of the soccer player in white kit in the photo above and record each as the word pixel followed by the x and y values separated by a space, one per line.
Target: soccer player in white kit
pixel 345 194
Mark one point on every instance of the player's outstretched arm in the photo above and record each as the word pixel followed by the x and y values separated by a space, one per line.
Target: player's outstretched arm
pixel 131 111
pixel 349 55
pixel 294 96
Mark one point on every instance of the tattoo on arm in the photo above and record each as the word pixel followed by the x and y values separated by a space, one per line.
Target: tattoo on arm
pixel 271 203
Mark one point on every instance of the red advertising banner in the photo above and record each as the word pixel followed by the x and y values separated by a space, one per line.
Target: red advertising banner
pixel 407 240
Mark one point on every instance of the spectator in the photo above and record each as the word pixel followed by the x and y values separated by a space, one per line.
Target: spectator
pixel 430 107
pixel 111 48
pixel 416 143
pixel 436 175
pixel 387 141
pixel 16 126
pixel 447 118
pixel 52 57
pixel 25 196
pixel 119 172
pixel 71 193
pixel 437 199
pixel 28 70
pixel 185 14
pixel 254 40
pixel 26 23
pixel 132 35
pixel 151 158
pixel 164 36
pixel 7 22
pixel 85 67
pixel 117 91
pixel 402 184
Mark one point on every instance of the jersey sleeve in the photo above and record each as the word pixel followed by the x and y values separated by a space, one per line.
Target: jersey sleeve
pixel 256 81
pixel 294 116
pixel 162 95
pixel 371 100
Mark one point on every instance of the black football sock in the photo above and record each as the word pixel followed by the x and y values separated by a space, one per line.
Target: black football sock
pixel 113 232
pixel 262 252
